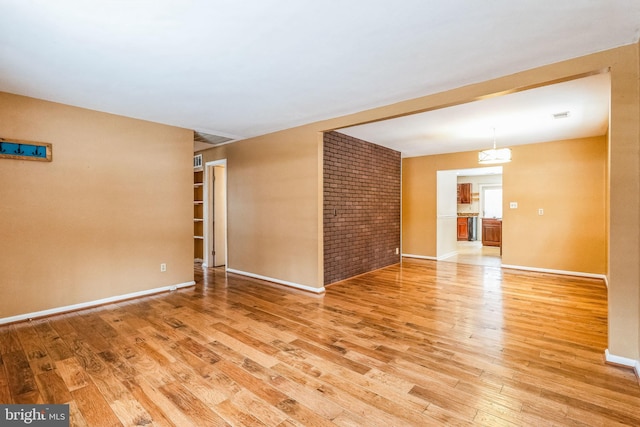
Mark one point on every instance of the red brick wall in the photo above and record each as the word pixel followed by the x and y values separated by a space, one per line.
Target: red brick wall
pixel 361 206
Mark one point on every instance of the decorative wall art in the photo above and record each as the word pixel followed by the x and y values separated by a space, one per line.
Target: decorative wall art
pixel 25 150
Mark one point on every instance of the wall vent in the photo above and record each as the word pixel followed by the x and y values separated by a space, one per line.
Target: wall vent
pixel 208 138
pixel 197 161
pixel 203 141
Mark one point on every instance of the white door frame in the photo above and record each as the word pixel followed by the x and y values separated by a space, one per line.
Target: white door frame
pixel 446 214
pixel 208 213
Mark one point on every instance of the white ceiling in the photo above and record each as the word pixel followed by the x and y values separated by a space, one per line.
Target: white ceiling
pixel 519 118
pixel 241 69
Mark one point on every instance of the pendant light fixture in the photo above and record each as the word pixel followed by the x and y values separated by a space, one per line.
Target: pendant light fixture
pixel 494 155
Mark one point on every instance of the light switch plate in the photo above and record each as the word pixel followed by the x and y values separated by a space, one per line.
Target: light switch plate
pixel 513 205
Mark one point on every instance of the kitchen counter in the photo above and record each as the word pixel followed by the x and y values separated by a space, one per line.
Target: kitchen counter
pixel 468 213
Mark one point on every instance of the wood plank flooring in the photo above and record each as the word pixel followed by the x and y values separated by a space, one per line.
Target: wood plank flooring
pixel 474 253
pixel 419 344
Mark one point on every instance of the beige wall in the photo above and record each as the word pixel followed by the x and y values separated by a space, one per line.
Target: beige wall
pixel 624 197
pixel 300 219
pixel 565 178
pixel 98 220
pixel 272 206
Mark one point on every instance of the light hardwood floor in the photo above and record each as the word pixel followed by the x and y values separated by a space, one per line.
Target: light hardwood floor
pixel 422 343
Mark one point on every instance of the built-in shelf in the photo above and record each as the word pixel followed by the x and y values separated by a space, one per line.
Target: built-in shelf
pixel 198 205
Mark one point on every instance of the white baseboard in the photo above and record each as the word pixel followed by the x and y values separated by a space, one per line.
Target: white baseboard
pixel 278 281
pixel 447 255
pixel 524 268
pixel 74 307
pixel 420 257
pixel 440 258
pixel 563 272
pixel 622 361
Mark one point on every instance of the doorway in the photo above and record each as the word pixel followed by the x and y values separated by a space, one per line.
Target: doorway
pixel 491 201
pixel 485 202
pixel 215 214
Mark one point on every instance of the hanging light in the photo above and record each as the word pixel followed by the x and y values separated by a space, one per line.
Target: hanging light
pixel 494 155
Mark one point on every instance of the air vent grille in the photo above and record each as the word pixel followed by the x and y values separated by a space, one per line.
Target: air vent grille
pixel 209 138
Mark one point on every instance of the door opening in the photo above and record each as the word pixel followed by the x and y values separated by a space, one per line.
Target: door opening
pixel 215 215
pixel 491 218
pixel 485 201
pixel 492 201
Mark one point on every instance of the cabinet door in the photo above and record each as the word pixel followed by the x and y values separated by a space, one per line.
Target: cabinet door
pixel 464 193
pixel 491 232
pixel 463 229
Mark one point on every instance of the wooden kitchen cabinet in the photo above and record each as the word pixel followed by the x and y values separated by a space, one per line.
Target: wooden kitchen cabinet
pixel 464 193
pixel 491 232
pixel 463 228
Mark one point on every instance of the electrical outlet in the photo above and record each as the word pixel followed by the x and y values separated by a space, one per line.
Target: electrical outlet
pixel 513 205
pixel 397 251
pixel 540 211
pixel 163 267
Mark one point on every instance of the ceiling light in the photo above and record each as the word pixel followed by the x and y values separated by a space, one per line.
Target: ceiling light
pixel 562 115
pixel 494 155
